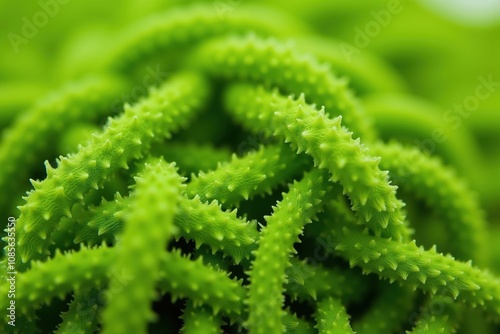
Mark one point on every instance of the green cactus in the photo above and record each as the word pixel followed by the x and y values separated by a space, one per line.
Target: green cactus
pixel 234 167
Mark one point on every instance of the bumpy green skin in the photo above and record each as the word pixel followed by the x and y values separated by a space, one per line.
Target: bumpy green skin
pixel 393 304
pixel 183 278
pixel 242 178
pixel 275 64
pixel 292 323
pixel 125 138
pixel 63 237
pixel 21 147
pixel 307 282
pixel 226 232
pixel 221 230
pixel 169 32
pixel 387 314
pixel 91 268
pixel 296 325
pixel 441 318
pixel 72 271
pixel 82 315
pixel 91 225
pixel 415 267
pixel 214 260
pixel 284 226
pixel 331 146
pixel 105 218
pixel 200 320
pixel 205 223
pixel 151 215
pixel 442 189
pixel 332 318
pixel 436 325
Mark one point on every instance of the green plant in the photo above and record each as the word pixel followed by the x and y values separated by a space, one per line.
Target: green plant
pixel 307 227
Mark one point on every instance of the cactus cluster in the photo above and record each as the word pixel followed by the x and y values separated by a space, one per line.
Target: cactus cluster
pixel 273 181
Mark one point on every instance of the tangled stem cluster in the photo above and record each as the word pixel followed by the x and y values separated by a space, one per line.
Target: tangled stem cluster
pixel 140 213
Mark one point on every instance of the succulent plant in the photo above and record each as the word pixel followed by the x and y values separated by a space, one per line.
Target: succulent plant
pixel 222 167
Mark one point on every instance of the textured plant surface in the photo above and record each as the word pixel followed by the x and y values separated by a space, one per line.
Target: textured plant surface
pixel 248 167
